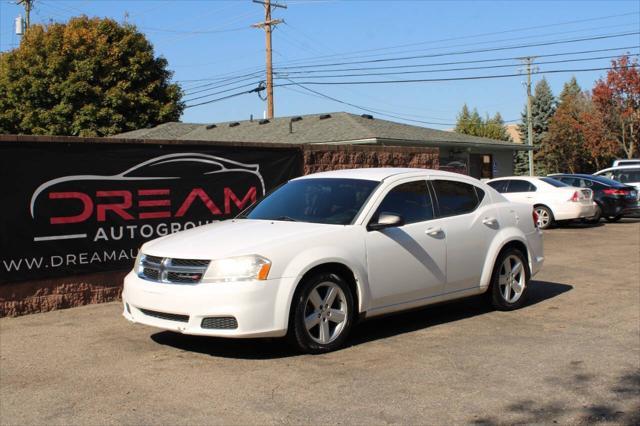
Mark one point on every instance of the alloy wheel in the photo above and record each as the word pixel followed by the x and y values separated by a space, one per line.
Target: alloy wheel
pixel 326 312
pixel 543 217
pixel 512 279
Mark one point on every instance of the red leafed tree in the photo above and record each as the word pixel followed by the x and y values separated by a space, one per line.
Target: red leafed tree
pixel 599 143
pixel 617 98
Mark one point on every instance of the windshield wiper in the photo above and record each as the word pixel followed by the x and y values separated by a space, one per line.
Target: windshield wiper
pixel 287 218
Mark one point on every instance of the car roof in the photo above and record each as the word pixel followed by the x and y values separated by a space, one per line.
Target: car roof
pixel 381 173
pixel 601 179
pixel 627 167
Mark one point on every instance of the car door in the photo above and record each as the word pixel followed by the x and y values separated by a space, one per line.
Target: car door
pixel 406 263
pixel 470 222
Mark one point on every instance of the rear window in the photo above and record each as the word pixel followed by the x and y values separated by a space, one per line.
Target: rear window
pixel 553 182
pixel 455 197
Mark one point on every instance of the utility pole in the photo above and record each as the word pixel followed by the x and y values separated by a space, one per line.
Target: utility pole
pixel 28 5
pixel 528 61
pixel 267 24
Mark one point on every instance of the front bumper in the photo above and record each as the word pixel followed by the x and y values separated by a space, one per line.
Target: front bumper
pixel 569 211
pixel 183 307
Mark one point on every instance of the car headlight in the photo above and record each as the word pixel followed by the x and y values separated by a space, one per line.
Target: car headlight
pixel 241 268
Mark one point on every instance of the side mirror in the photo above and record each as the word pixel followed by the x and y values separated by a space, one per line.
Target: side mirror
pixel 386 220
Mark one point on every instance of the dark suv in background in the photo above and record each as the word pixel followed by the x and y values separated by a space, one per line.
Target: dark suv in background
pixel 614 199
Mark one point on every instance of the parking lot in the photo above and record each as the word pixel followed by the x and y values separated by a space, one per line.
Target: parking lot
pixel 572 355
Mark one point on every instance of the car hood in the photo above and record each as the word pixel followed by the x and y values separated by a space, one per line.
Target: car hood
pixel 234 238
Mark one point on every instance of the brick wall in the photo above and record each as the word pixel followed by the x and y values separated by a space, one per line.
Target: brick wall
pixel 319 158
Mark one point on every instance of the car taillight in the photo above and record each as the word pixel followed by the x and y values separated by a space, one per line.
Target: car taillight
pixel 575 197
pixel 535 218
pixel 616 192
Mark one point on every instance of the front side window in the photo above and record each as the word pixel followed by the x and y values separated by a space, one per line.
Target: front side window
pixel 410 200
pixel 323 200
pixel 455 197
pixel 554 182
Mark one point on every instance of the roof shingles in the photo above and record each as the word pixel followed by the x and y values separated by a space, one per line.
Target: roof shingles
pixel 339 127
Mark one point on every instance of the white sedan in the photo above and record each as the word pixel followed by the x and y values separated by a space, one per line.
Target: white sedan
pixel 552 200
pixel 326 250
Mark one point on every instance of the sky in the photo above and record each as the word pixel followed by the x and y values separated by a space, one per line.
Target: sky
pixel 214 52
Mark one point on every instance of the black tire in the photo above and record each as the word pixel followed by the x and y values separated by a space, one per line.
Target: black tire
pixel 595 218
pixel 541 211
pixel 495 293
pixel 298 335
pixel 612 219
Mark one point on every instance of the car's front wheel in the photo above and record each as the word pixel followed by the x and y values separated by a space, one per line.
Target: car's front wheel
pixel 322 314
pixel 612 219
pixel 510 280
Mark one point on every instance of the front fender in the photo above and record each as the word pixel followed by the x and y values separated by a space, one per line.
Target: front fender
pixel 308 259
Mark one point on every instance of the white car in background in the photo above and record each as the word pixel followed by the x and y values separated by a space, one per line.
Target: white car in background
pixel 629 175
pixel 551 199
pixel 325 250
pixel 626 162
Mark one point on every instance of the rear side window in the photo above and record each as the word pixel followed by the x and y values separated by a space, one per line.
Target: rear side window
pixel 587 183
pixel 499 185
pixel 410 200
pixel 455 197
pixel 517 185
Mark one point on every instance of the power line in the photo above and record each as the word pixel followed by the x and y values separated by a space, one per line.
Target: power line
pixel 467 52
pixel 329 83
pixel 378 112
pixel 520 29
pixel 511 58
pixel 427 80
pixel 221 91
pixel 222 98
pixel 461 69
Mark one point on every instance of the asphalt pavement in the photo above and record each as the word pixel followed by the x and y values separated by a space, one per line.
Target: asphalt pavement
pixel 570 356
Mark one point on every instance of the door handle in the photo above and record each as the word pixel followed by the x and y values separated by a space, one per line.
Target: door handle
pixel 489 221
pixel 433 231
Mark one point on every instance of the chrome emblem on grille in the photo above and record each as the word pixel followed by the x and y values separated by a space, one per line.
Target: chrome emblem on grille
pixel 172 271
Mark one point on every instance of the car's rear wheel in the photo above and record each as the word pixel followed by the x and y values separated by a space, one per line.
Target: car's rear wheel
pixel 510 280
pixel 322 314
pixel 596 217
pixel 545 217
pixel 614 218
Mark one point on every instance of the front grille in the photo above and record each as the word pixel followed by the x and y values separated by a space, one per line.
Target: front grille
pixel 189 262
pixel 153 259
pixel 174 271
pixel 219 323
pixel 165 315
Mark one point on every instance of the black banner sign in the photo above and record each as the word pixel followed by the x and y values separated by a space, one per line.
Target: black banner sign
pixel 76 208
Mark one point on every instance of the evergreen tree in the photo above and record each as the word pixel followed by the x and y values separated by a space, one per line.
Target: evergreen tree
pixel 563 147
pixel 471 123
pixel 543 107
pixel 462 123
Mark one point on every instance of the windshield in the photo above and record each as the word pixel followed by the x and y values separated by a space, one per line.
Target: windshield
pixel 322 200
pixel 553 182
pixel 626 175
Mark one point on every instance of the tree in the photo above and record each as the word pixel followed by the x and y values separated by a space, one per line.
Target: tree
pixel 618 101
pixel 543 106
pixel 88 77
pixel 471 123
pixel 562 148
